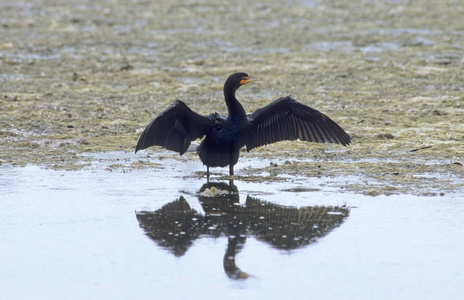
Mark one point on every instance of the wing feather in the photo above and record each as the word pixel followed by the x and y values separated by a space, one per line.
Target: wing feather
pixel 287 119
pixel 175 128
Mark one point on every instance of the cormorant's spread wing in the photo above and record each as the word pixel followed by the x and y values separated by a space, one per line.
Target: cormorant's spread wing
pixel 287 119
pixel 174 128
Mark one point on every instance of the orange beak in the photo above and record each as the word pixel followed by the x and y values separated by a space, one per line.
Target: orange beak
pixel 246 80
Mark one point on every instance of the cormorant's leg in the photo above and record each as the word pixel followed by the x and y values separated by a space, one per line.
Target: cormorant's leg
pixel 231 170
pixel 207 174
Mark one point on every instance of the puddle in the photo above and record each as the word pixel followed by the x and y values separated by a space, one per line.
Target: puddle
pixel 119 233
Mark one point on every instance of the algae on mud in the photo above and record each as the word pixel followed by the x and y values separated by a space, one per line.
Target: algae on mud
pixel 88 76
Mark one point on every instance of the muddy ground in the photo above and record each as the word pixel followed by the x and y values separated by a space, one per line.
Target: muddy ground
pixel 89 76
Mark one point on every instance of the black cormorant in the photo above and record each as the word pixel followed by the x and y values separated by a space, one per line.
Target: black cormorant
pixel 283 119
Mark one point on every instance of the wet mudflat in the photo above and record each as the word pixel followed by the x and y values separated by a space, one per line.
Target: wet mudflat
pixel 79 81
pixel 89 76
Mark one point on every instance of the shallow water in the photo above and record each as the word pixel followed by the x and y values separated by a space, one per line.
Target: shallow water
pixel 98 234
pixel 84 77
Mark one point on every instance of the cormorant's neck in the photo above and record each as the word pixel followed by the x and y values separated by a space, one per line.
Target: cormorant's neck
pixel 234 107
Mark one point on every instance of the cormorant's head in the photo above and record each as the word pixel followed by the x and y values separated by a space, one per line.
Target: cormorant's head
pixel 236 80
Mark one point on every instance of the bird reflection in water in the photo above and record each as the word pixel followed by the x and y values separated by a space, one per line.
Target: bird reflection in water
pixel 176 225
